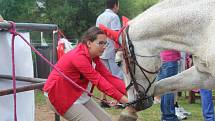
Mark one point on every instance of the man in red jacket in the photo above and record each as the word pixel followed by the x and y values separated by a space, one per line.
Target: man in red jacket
pixel 84 67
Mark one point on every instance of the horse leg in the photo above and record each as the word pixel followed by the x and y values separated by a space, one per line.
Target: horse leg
pixel 186 80
pixel 128 114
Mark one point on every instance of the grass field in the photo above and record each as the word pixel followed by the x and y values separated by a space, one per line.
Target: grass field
pixel 151 114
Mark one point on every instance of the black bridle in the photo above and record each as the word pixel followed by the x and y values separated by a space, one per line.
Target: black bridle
pixel 132 63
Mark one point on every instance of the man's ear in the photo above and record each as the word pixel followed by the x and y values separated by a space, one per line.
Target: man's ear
pixel 115 6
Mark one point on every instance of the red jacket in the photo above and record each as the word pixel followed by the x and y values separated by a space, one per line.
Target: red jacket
pixel 77 65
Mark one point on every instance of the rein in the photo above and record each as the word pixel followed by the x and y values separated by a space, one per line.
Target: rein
pixel 131 63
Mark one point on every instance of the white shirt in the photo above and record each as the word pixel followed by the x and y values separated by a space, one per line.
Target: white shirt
pixel 111 20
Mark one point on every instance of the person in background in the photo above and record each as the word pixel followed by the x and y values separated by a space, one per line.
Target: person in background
pixel 110 19
pixel 206 99
pixel 207 105
pixel 179 110
pixel 169 68
pixel 83 66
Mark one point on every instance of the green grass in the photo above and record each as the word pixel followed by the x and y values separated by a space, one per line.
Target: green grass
pixel 40 98
pixel 151 114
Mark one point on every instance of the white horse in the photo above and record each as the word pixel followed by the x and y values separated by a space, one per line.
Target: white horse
pixel 183 25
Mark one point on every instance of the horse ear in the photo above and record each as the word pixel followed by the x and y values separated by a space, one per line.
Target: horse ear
pixel 110 33
pixel 124 21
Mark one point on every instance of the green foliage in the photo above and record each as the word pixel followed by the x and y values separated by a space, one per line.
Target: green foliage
pixel 39 97
pixel 18 10
pixel 142 5
pixel 131 8
pixel 72 16
pixel 150 114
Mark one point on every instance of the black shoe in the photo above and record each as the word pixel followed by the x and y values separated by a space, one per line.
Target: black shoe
pixel 104 104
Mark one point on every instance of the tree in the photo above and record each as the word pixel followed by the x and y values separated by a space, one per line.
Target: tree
pixel 73 16
pixel 18 10
pixel 131 8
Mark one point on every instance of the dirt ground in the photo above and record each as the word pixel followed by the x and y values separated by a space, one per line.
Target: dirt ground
pixel 44 113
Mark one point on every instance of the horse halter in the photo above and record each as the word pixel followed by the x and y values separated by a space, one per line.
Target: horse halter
pixel 143 101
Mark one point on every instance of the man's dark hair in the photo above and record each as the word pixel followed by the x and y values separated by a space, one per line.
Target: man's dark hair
pixel 110 3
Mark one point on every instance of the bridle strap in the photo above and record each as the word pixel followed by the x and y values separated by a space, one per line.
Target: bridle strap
pixel 125 51
pixel 134 61
pixel 128 64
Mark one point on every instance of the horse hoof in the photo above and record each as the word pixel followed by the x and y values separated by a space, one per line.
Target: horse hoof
pixel 126 116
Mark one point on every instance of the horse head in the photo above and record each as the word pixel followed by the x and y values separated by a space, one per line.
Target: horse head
pixel 183 25
pixel 140 67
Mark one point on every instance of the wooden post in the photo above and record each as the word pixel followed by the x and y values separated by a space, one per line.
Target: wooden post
pixel 54 59
pixel 29 26
pixel 21 78
pixel 191 97
pixel 22 89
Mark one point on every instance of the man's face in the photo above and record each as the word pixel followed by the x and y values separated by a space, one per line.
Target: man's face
pixel 116 7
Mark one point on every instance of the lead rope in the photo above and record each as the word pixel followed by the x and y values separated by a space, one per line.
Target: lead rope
pixel 12 30
pixel 54 67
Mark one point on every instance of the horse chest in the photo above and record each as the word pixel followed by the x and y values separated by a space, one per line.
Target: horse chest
pixel 200 64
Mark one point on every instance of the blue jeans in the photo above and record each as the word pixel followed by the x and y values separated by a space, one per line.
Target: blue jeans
pixel 207 105
pixel 167 106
